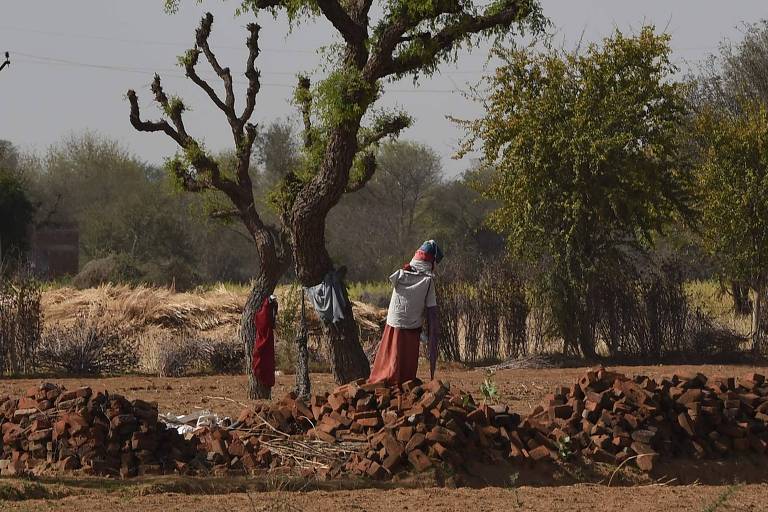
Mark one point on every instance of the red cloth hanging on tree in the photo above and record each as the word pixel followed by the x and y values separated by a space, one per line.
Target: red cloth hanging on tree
pixel 263 357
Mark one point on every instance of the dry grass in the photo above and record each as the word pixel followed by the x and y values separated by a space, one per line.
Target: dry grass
pixel 164 324
pixel 710 298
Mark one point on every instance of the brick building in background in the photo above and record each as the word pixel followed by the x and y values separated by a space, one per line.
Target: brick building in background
pixel 56 250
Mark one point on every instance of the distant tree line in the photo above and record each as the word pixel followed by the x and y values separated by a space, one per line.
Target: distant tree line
pixel 599 169
pixel 135 226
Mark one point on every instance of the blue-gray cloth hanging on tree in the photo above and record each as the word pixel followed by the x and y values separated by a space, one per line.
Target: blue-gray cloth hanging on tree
pixel 329 298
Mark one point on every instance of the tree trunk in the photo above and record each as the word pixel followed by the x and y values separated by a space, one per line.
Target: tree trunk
pixel 587 345
pixel 757 306
pixel 741 302
pixel 341 344
pixel 258 293
pixel 586 334
pixel 272 268
pixel 307 225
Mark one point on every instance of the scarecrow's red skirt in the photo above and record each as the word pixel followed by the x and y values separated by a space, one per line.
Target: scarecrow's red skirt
pixel 398 356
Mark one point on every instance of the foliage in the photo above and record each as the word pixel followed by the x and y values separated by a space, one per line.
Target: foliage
pixel 17 212
pixel 165 237
pixel 736 73
pixel 565 448
pixel 733 178
pixel 375 293
pixel 394 205
pixel 455 212
pixel 586 161
pixel 488 389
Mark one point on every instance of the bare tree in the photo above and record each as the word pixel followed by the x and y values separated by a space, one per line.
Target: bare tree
pixel 197 171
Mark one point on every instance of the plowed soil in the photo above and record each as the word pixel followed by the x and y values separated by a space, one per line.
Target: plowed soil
pixel 680 485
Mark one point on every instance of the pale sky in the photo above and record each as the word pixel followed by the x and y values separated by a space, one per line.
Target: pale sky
pixel 73 60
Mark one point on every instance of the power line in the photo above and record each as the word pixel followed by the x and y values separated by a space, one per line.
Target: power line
pixel 145 42
pixel 187 46
pixel 43 60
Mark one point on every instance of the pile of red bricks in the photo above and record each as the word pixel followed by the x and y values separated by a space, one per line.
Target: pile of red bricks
pixel 51 428
pixel 228 452
pixel 609 417
pixel 382 430
pixel 396 428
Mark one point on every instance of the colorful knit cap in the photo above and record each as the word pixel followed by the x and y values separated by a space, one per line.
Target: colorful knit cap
pixel 429 251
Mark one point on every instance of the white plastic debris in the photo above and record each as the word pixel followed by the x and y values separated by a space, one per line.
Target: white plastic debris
pixel 188 423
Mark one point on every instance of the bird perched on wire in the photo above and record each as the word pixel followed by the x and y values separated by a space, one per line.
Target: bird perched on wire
pixel 7 60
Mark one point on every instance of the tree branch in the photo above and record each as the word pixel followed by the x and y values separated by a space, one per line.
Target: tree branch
pixel 190 62
pixel 353 34
pixel 392 32
pixel 251 73
pixel 304 100
pixel 201 35
pixel 150 126
pixel 200 161
pixel 369 166
pixel 384 63
pixel 388 127
pixel 224 214
pixel 173 111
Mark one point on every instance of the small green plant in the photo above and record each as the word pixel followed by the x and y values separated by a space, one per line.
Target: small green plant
pixel 488 388
pixel 565 448
pixel 722 499
pixel 513 485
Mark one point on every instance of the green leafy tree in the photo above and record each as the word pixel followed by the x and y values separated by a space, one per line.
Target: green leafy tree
pixel 733 179
pixel 728 81
pixel 585 155
pixel 737 71
pixel 342 127
pixel 16 216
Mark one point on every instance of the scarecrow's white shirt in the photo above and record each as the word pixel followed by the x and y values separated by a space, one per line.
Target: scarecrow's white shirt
pixel 413 291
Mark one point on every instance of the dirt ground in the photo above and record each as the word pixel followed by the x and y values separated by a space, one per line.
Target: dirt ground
pixel 226 394
pixel 709 487
pixel 580 497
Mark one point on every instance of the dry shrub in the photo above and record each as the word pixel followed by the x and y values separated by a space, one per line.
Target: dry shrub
pixel 20 323
pixel 226 357
pixel 706 338
pixel 286 353
pixel 88 347
pixel 482 315
pixel 177 354
pixel 173 355
pixel 450 304
pixel 649 318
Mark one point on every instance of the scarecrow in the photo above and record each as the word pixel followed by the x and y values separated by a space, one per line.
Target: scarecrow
pixel 413 295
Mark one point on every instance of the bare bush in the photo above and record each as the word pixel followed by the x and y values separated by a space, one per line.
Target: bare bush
pixel 482 318
pixel 20 323
pixel 173 355
pixel 224 356
pixel 86 348
pixel 451 305
pixel 649 318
